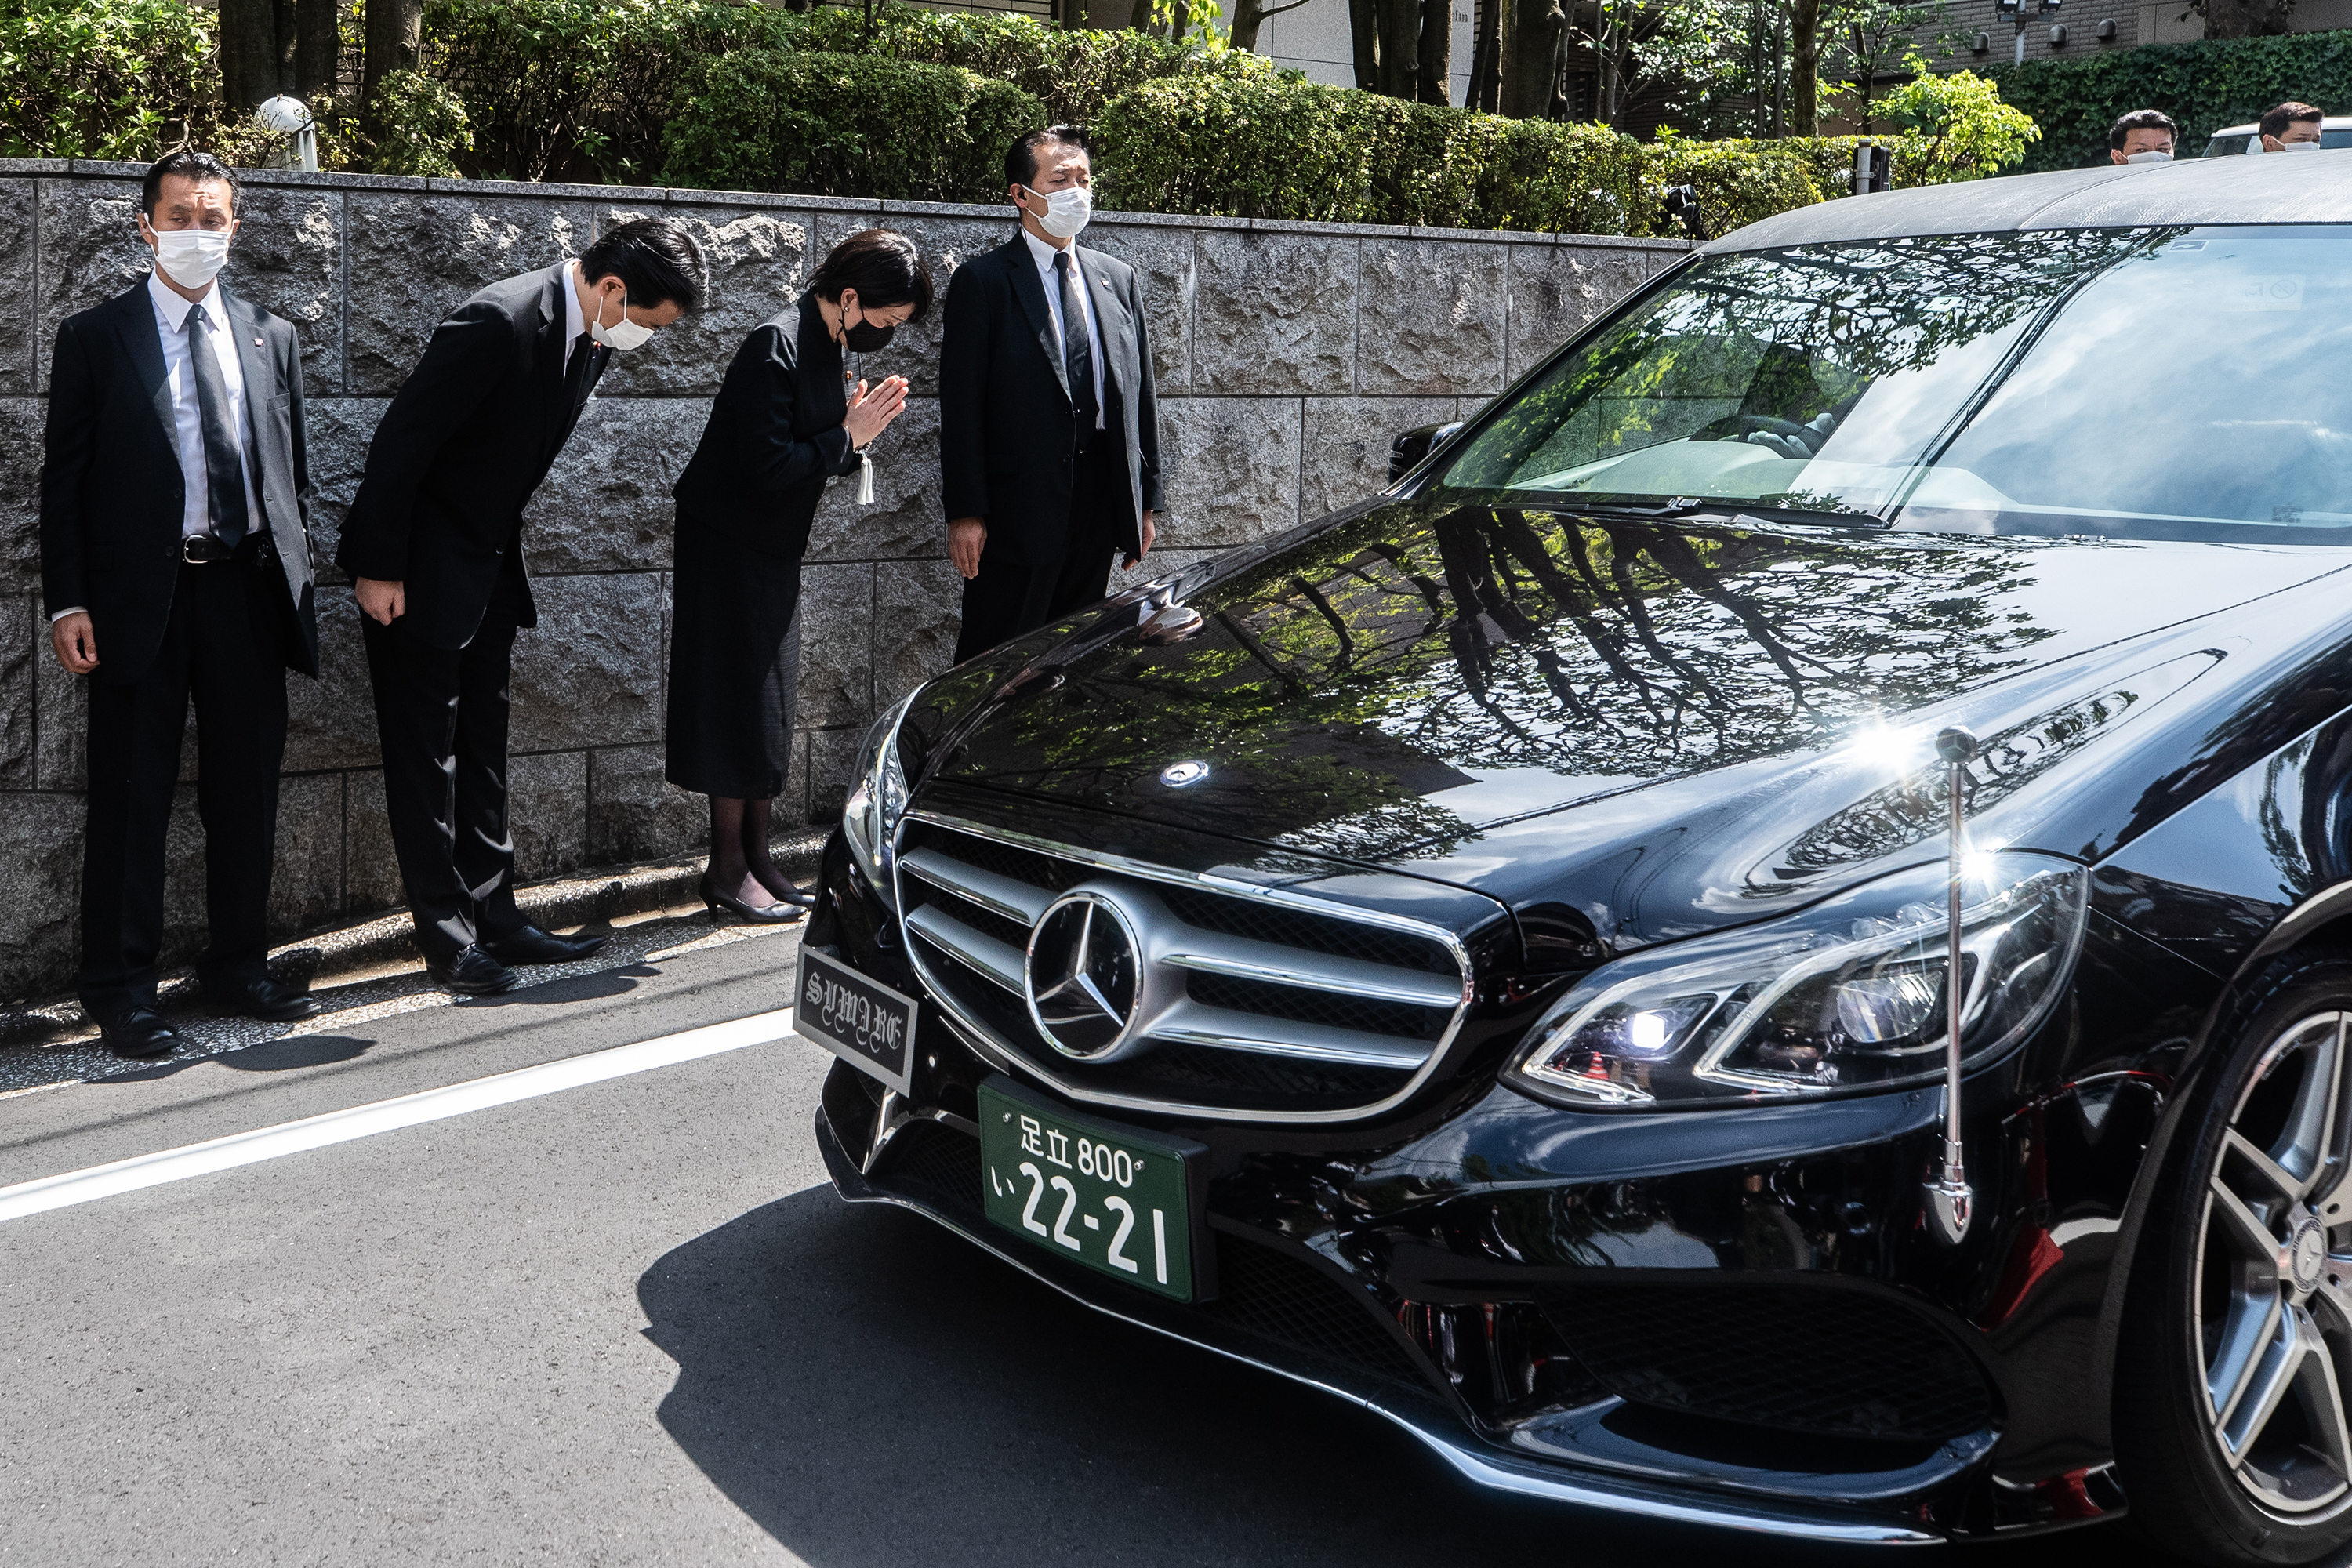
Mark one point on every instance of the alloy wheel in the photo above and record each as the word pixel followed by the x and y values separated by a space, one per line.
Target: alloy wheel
pixel 2273 1297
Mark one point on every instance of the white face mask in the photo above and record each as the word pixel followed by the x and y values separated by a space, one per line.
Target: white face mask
pixel 624 336
pixel 1067 211
pixel 190 256
pixel 2299 147
pixel 2149 158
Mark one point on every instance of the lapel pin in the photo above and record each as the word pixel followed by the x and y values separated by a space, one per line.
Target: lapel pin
pixel 257 342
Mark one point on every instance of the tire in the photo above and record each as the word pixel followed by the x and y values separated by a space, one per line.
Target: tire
pixel 2235 1365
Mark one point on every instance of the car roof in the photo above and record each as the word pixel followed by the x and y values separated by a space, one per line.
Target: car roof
pixel 2326 122
pixel 2315 187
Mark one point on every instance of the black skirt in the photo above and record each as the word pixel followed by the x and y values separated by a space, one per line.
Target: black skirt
pixel 734 662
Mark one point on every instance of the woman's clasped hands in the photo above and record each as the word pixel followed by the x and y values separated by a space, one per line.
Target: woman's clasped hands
pixel 872 409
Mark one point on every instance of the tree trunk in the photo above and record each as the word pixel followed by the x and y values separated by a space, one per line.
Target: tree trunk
pixel 1530 57
pixel 1804 67
pixel 1486 56
pixel 248 53
pixel 395 34
pixel 1364 34
pixel 317 49
pixel 283 29
pixel 1399 47
pixel 1437 51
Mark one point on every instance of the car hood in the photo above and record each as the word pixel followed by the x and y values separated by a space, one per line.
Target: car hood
pixel 1667 728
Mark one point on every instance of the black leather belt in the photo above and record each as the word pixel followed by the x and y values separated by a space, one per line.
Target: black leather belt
pixel 204 550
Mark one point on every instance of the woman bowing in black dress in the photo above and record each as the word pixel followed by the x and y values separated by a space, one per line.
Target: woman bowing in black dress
pixel 786 420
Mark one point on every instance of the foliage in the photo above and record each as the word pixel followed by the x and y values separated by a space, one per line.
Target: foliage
pixel 2204 86
pixel 423 126
pixel 824 124
pixel 104 79
pixel 1278 149
pixel 1957 127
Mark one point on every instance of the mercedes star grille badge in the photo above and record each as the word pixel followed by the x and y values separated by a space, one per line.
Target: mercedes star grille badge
pixel 1176 776
pixel 1082 976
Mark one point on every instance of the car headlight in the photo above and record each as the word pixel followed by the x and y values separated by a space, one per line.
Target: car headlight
pixel 877 794
pixel 1846 995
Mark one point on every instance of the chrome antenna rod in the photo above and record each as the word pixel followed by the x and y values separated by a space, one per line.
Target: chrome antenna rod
pixel 1950 1198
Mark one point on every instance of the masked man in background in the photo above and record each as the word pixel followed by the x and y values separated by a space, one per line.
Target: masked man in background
pixel 1049 425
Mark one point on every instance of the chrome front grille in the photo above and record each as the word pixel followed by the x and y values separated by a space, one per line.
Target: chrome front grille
pixel 1250 1004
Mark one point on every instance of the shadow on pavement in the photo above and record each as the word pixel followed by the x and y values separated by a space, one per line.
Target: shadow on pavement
pixel 873 1391
pixel 282 1054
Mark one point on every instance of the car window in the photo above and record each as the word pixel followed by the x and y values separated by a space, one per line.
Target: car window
pixel 2223 146
pixel 2335 139
pixel 2154 383
pixel 2193 390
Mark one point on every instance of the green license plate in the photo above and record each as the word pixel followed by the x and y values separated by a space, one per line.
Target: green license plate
pixel 1123 1203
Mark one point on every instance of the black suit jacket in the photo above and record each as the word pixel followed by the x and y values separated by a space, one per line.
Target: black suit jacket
pixel 468 438
pixel 774 437
pixel 113 496
pixel 1007 430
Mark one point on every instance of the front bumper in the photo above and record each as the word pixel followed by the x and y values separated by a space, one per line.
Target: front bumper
pixel 923 1172
pixel 1434 1268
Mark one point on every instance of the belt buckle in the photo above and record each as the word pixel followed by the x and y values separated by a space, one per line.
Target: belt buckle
pixel 200 550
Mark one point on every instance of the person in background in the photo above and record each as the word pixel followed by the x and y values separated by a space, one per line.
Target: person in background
pixel 788 417
pixel 175 566
pixel 434 545
pixel 2143 136
pixel 1049 424
pixel 2291 127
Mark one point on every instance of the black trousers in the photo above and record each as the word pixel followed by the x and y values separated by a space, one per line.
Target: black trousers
pixel 442 716
pixel 223 646
pixel 1013 594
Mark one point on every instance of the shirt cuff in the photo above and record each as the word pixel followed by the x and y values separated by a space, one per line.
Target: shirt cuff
pixel 76 610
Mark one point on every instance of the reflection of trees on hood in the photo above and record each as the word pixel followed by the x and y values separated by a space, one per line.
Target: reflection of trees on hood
pixel 1338 685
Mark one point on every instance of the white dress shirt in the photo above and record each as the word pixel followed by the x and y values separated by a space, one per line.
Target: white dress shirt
pixel 575 320
pixel 1044 255
pixel 187 414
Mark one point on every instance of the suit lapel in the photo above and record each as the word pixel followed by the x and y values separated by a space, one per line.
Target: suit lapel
pixel 143 341
pixel 1030 290
pixel 252 358
pixel 1110 314
pixel 555 410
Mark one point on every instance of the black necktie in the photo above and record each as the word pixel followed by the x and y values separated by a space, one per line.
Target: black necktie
pixel 576 377
pixel 1077 348
pixel 224 457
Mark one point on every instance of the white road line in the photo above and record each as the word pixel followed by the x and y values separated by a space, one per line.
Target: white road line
pixel 386 1115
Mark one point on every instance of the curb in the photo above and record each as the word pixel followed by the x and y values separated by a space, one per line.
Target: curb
pixel 361 949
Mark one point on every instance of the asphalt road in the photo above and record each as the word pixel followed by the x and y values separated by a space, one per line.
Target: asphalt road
pixel 628 1322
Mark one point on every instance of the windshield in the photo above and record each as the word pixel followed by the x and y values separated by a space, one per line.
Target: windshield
pixel 2168 384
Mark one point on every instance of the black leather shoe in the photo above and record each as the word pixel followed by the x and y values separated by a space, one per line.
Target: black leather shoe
pixel 139 1032
pixel 719 903
pixel 473 973
pixel 532 945
pixel 260 996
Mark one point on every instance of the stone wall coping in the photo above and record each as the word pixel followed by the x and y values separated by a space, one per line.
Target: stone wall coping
pixel 673 195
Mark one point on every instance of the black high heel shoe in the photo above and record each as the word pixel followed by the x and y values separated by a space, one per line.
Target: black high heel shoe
pixel 718 903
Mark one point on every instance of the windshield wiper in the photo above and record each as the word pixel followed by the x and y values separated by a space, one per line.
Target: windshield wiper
pixel 1677 507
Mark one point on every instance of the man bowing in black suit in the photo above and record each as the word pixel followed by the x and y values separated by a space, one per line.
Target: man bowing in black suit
pixel 434 546
pixel 175 564
pixel 1049 425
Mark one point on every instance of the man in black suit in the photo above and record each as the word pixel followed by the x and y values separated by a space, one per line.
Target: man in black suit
pixel 175 564
pixel 434 546
pixel 1049 425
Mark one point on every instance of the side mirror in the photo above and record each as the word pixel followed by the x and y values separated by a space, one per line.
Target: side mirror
pixel 1412 447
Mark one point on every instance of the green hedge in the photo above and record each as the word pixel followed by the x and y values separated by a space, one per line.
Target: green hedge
pixel 1285 150
pixel 2203 86
pixel 829 124
pixel 104 79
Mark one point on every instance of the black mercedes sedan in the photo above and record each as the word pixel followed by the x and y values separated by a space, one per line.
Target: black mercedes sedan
pixel 1766 938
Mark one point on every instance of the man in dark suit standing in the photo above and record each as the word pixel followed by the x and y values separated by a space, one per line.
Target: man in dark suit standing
pixel 434 546
pixel 1049 425
pixel 175 565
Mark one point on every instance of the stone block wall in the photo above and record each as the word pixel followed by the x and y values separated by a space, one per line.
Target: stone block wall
pixel 1287 355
